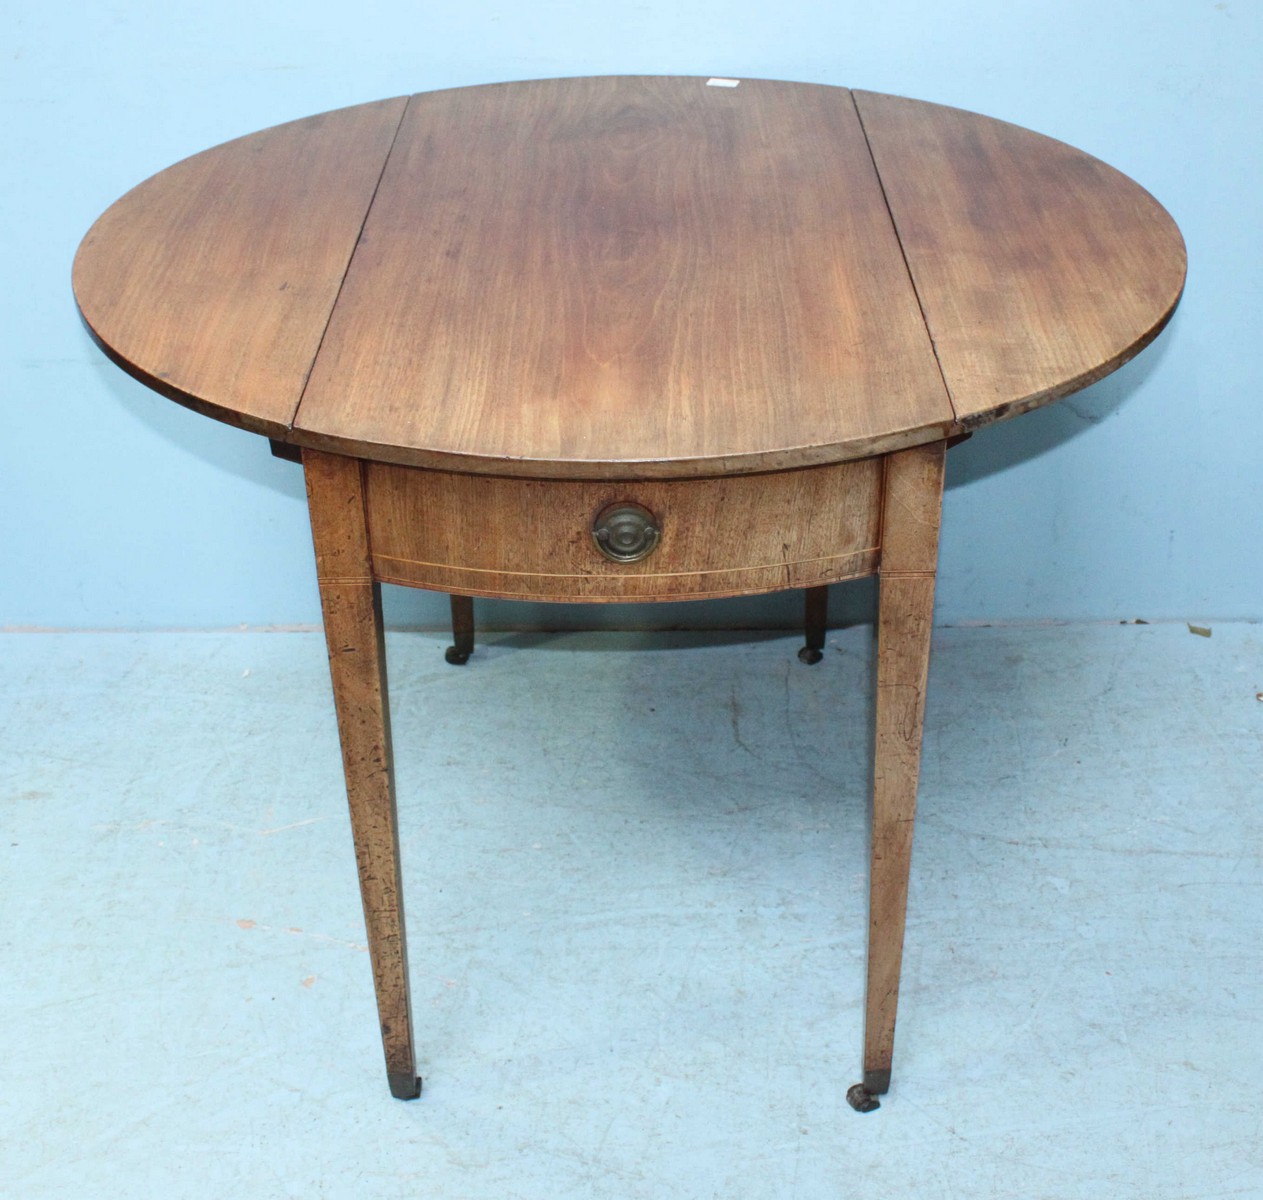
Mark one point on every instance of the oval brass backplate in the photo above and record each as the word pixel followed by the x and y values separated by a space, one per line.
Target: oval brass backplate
pixel 626 532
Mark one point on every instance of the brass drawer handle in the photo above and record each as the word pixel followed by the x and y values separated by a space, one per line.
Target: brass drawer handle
pixel 626 532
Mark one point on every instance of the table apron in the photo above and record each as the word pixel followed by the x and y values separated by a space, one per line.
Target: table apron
pixel 531 539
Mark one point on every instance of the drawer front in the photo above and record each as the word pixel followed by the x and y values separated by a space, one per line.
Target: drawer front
pixel 534 538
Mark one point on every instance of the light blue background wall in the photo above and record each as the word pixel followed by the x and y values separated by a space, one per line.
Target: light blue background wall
pixel 1142 497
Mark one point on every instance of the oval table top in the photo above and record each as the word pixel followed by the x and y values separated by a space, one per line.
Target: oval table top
pixel 629 277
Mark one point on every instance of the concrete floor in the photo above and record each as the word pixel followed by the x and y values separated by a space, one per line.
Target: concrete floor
pixel 636 871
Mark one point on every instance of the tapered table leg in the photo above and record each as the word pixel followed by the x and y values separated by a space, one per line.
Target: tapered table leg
pixel 462 631
pixel 910 526
pixel 351 602
pixel 815 624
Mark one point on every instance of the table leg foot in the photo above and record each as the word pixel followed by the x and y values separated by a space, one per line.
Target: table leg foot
pixel 877 1082
pixel 815 619
pixel 861 1099
pixel 462 631
pixel 406 1086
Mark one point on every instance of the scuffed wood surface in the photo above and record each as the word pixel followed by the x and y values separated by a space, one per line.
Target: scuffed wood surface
pixel 212 282
pixel 351 603
pixel 910 525
pixel 629 277
pixel 1039 268
pixel 619 277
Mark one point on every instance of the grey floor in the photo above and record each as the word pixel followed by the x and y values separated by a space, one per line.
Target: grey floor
pixel 635 871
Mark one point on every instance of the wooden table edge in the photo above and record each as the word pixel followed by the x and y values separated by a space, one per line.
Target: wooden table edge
pixel 1069 387
pixel 277 431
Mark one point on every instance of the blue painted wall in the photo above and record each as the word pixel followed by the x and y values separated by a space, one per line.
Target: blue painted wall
pixel 1141 497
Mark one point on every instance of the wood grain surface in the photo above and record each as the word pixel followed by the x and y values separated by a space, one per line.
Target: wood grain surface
pixel 628 277
pixel 911 513
pixel 532 538
pixel 1039 268
pixel 212 282
pixel 619 277
pixel 350 600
